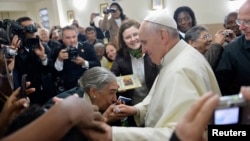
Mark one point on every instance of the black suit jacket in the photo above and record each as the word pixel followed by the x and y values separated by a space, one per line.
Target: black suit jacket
pixel 123 66
pixel 38 74
pixel 72 72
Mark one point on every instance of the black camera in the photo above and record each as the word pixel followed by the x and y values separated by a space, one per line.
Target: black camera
pixel 9 52
pixel 73 53
pixel 32 43
pixel 11 28
pixel 109 10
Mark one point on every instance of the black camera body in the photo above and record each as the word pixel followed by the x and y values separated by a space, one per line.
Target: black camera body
pixel 11 28
pixel 109 10
pixel 32 43
pixel 73 53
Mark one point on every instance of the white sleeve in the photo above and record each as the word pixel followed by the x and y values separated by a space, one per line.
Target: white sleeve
pixel 58 65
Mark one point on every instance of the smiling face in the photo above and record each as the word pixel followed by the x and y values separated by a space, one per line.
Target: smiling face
pixel 202 43
pixel 131 37
pixel 111 52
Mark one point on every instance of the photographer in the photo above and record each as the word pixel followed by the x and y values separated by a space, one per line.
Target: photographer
pixel 113 24
pixel 74 58
pixel 33 59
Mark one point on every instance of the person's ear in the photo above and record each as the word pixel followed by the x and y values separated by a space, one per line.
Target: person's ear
pixel 163 34
pixel 191 42
pixel 92 92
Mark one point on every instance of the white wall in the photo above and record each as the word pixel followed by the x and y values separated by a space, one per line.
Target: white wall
pixel 207 11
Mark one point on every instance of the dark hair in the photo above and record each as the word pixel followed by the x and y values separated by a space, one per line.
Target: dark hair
pixel 22 19
pixel 105 54
pixel 123 17
pixel 75 24
pixel 229 15
pixel 56 27
pixel 185 9
pixel 26 117
pixel 67 28
pixel 34 112
pixel 90 28
pixel 125 25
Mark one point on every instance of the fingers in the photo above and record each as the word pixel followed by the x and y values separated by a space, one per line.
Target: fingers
pixel 27 84
pixel 57 100
pixel 206 110
pixel 30 90
pixel 20 104
pixel 95 108
pixel 245 92
pixel 191 114
pixel 99 126
pixel 16 92
pixel 76 95
pixel 24 102
pixel 98 117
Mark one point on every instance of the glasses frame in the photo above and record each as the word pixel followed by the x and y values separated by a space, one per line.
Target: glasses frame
pixel 207 37
pixel 240 22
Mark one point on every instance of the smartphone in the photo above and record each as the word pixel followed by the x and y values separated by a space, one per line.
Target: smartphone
pixel 23 86
pixel 232 110
pixel 125 99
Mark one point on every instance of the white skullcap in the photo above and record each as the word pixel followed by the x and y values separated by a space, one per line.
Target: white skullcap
pixel 161 17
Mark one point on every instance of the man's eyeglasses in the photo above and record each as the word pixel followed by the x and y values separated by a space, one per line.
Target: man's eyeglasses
pixel 239 22
pixel 206 37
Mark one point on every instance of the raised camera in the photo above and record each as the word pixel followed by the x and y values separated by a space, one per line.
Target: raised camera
pixel 109 10
pixel 232 110
pixel 227 34
pixel 73 53
pixel 32 43
pixel 9 52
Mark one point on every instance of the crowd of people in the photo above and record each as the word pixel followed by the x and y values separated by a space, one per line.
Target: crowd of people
pixel 71 76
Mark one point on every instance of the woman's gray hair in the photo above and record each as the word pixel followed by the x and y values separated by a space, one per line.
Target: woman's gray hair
pixel 194 33
pixel 96 77
pixel 99 45
pixel 154 27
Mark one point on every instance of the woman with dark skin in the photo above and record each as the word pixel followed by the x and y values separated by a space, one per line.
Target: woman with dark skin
pixel 185 19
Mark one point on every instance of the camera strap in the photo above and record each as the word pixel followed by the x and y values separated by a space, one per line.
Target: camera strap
pixel 10 78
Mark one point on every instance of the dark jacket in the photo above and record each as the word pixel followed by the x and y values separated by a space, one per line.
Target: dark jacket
pixel 122 65
pixel 38 74
pixel 99 33
pixel 233 69
pixel 213 55
pixel 72 72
